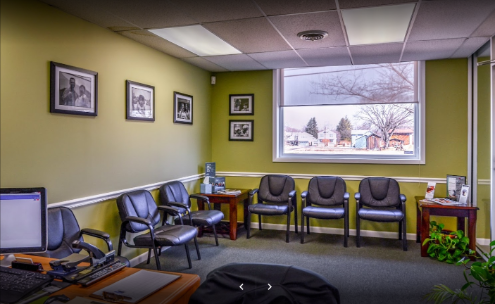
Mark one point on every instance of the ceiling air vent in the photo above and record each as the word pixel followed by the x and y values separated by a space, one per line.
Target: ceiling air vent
pixel 312 35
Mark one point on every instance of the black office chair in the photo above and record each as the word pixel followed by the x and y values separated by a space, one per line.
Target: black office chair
pixel 264 283
pixel 175 195
pixel 276 196
pixel 63 230
pixel 379 200
pixel 139 212
pixel 321 201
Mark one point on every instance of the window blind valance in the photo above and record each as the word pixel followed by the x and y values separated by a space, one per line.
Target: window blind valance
pixel 351 85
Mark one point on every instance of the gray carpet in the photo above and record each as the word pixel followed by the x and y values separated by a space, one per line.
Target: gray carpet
pixel 378 272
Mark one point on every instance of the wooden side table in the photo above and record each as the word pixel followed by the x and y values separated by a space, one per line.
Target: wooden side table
pixel 426 208
pixel 232 200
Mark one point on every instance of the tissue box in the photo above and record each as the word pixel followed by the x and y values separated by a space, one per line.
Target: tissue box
pixel 218 183
pixel 206 188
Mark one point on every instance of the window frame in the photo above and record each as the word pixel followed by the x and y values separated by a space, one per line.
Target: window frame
pixel 277 136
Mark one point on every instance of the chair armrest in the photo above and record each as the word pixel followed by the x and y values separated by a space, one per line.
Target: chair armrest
pixel 98 234
pixel 203 198
pixel 292 193
pixel 253 192
pixel 168 209
pixel 138 220
pixel 180 205
pixel 346 196
pixel 304 194
pixel 403 198
pixel 357 196
pixel 304 202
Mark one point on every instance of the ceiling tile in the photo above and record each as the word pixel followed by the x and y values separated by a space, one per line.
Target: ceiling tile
pixel 326 57
pixel 469 47
pixel 147 13
pixel 283 7
pixel 249 35
pixel 377 53
pixel 217 10
pixel 204 64
pixel 239 62
pixel 487 28
pixel 157 43
pixel 92 11
pixel 449 19
pixel 344 4
pixel 431 50
pixel 279 60
pixel 289 26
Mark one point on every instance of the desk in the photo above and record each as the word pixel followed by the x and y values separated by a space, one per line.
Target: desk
pixel 426 208
pixel 232 200
pixel 177 292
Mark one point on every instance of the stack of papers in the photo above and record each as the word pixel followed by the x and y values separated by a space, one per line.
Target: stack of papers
pixel 229 191
pixel 444 201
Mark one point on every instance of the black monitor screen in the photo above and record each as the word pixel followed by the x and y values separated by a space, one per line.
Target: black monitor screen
pixel 23 220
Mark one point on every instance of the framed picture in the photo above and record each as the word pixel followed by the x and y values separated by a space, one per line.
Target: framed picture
pixel 73 90
pixel 241 130
pixel 183 108
pixel 140 101
pixel 241 104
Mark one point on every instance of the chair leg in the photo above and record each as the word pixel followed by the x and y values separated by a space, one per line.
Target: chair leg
pixel 307 224
pixel 259 221
pixel 157 259
pixel 215 234
pixel 400 230
pixel 188 256
pixel 288 227
pixel 159 251
pixel 248 224
pixel 295 218
pixel 149 256
pixel 404 235
pixel 197 247
pixel 302 228
pixel 346 229
pixel 358 231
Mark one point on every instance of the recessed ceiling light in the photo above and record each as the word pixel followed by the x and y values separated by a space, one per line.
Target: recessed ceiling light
pixel 382 24
pixel 313 35
pixel 197 40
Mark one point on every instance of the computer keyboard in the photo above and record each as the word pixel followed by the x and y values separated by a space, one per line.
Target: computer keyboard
pixel 93 274
pixel 17 283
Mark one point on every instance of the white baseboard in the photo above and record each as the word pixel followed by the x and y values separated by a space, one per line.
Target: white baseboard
pixel 144 257
pixel 484 242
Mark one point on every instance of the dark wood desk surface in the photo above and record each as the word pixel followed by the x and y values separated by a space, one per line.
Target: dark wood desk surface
pixel 232 200
pixel 177 292
pixel 426 208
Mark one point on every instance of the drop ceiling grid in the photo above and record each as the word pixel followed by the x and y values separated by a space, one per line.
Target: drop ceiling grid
pixel 349 4
pixel 285 7
pixel 249 35
pixel 290 26
pixel 217 10
pixel 239 62
pixel 205 64
pixel 279 60
pixel 431 49
pixel 379 53
pixel 147 38
pixel 326 56
pixel 469 46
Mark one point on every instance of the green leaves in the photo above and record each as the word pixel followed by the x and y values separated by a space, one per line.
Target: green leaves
pixel 446 247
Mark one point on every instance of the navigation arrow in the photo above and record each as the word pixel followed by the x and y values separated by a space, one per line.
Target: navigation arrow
pixel 270 286
pixel 241 286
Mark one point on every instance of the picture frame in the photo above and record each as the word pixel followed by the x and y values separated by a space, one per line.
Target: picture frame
pixel 140 101
pixel 183 108
pixel 241 130
pixel 73 90
pixel 241 104
pixel 454 185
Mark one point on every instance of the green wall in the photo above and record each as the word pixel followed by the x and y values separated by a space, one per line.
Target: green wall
pixel 446 142
pixel 76 156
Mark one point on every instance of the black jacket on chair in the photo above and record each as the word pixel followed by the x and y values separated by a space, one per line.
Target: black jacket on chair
pixel 276 196
pixel 379 200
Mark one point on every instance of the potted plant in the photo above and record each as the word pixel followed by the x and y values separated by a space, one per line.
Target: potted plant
pixel 484 278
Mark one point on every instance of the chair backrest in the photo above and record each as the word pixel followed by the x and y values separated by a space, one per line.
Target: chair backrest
pixel 379 192
pixel 63 229
pixel 138 203
pixel 326 191
pixel 174 192
pixel 275 188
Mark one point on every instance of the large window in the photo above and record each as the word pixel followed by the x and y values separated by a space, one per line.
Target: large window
pixel 363 113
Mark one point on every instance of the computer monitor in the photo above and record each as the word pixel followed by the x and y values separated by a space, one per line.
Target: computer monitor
pixel 23 222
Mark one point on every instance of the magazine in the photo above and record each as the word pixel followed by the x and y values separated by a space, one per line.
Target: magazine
pixel 444 201
pixel 229 191
pixel 430 190
pixel 463 198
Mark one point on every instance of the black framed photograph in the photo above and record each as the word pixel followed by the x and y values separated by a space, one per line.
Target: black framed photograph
pixel 73 90
pixel 183 108
pixel 241 104
pixel 140 101
pixel 241 130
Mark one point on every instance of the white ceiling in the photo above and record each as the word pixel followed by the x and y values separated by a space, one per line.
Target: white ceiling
pixel 265 31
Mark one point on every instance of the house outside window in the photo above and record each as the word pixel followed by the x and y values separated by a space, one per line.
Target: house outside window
pixel 354 114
